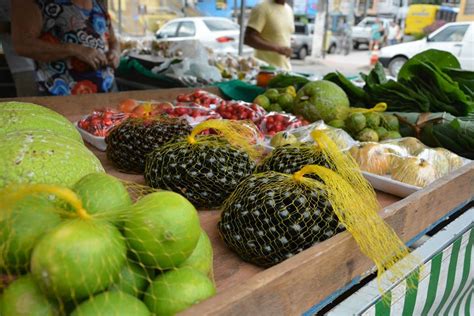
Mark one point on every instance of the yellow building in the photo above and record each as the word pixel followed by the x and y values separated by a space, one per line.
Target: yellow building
pixel 466 11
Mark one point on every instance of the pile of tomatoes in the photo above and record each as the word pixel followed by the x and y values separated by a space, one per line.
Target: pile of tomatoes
pixel 99 123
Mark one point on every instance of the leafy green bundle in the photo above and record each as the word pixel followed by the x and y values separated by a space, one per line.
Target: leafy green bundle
pixel 431 81
pixel 440 130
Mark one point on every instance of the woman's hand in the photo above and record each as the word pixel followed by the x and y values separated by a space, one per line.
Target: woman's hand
pixel 91 56
pixel 113 58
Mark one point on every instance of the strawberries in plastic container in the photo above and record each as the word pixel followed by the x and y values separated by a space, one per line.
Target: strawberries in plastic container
pixel 201 97
pixel 238 110
pixel 275 122
pixel 100 122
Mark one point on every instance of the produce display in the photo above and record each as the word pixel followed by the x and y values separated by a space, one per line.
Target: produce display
pixel 130 142
pixel 431 81
pixel 286 170
pixel 406 160
pixel 273 216
pixel 101 248
pixel 205 169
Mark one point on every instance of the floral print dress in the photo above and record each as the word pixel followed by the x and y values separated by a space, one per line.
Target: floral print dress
pixel 65 22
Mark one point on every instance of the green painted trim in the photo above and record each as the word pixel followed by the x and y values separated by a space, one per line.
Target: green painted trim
pixel 453 261
pixel 459 304
pixel 433 284
pixel 411 293
pixel 382 307
pixel 466 269
pixel 467 309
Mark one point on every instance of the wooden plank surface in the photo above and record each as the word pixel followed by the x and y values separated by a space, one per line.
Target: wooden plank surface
pixel 303 280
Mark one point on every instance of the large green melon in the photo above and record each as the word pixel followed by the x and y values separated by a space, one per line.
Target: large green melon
pixel 44 157
pixel 19 116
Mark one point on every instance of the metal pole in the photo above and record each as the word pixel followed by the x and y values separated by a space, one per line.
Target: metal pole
pixel 242 27
pixel 120 16
pixel 326 13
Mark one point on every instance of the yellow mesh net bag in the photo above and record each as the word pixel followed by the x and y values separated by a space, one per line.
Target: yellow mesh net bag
pixel 103 247
pixel 205 168
pixel 272 216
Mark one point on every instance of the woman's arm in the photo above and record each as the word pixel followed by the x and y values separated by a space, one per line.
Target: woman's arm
pixel 27 23
pixel 113 55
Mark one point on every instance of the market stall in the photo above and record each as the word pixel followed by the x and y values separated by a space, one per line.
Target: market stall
pixel 298 256
pixel 308 280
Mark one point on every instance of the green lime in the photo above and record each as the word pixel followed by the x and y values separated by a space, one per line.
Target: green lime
pixel 20 229
pixel 113 304
pixel 103 194
pixel 24 298
pixel 390 122
pixel 373 119
pixel 367 135
pixel 78 258
pixel 286 100
pixel 163 229
pixel 133 279
pixel 272 95
pixel 356 122
pixel 283 138
pixel 275 107
pixel 176 290
pixel 381 131
pixel 337 124
pixel 263 101
pixel 392 135
pixel 201 258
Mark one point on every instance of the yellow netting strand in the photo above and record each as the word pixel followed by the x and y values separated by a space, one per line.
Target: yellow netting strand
pixel 375 238
pixel 12 194
pixel 379 107
pixel 236 133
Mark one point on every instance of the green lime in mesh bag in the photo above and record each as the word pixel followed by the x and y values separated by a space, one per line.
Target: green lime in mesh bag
pixel 205 169
pixel 77 261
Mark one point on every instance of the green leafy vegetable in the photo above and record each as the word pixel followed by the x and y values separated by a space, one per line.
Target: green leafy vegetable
pixel 284 80
pixel 357 96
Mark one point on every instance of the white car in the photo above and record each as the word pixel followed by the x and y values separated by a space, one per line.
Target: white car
pixel 456 38
pixel 219 34
pixel 362 32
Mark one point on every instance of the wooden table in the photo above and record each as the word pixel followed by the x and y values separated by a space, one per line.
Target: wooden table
pixel 299 283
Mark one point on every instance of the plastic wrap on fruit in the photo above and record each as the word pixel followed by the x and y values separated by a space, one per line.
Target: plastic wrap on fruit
pixel 239 110
pixel 193 113
pixel 99 123
pixel 201 97
pixel 275 122
pixel 342 139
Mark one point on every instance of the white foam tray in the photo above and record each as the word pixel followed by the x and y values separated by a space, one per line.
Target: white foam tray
pixel 96 141
pixel 388 185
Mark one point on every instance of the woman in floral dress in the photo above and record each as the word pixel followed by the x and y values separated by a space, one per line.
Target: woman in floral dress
pixel 72 42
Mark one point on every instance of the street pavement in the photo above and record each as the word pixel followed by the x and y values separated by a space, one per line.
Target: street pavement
pixel 351 65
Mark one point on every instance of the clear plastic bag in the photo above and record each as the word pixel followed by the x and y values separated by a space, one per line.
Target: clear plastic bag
pixel 201 97
pixel 100 122
pixel 275 122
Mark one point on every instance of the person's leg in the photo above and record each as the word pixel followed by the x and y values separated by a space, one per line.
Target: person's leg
pixel 25 83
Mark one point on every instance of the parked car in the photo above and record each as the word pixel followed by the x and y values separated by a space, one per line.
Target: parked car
pixel 302 41
pixel 456 38
pixel 361 33
pixel 219 34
